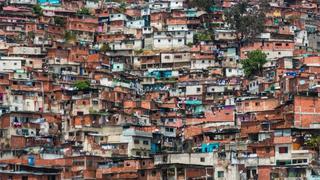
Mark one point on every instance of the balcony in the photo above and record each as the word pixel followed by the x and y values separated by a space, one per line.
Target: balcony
pixel 302 154
pixel 253 160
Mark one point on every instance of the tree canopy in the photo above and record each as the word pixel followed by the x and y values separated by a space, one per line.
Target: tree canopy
pixel 82 85
pixel 70 37
pixel 246 20
pixel 37 10
pixel 202 4
pixel 313 142
pixel 59 21
pixel 105 47
pixel 84 11
pixel 253 65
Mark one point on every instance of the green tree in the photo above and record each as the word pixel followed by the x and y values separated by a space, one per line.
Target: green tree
pixel 105 47
pixel 31 34
pixel 202 4
pixel 59 21
pixel 122 7
pixel 84 11
pixel 70 37
pixel 82 85
pixel 253 65
pixel 37 10
pixel 248 21
pixel 314 143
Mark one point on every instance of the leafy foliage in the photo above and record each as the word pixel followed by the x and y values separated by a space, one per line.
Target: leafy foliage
pixel 31 34
pixel 105 47
pixel 122 7
pixel 202 4
pixel 59 21
pixel 70 36
pixel 82 85
pixel 247 21
pixel 253 65
pixel 84 11
pixel 313 142
pixel 202 37
pixel 37 10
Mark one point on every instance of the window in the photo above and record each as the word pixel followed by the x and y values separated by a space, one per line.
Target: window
pixel 138 153
pixel 246 104
pixel 283 150
pixel 220 174
pixel 198 89
pixel 164 159
pixel 24 177
pixel 202 159
pixel 136 141
pixel 146 142
pixel 254 150
pixel 159 40
pixel 177 56
pixel 257 103
pixel 279 53
pixel 179 40
pixel 153 173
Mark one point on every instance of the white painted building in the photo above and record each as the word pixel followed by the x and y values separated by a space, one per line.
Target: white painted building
pixel 172 40
pixel 202 63
pixel 135 44
pixel 11 63
pixel 30 2
pixel 254 86
pixel 26 51
pixel 139 142
pixel 176 4
pixel 147 30
pixel 118 17
pixel 135 24
pixel 231 72
pixel 276 54
pixel 194 90
pixel 177 27
pixel 92 4
pixel 301 38
pixel 175 57
pixel 159 5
